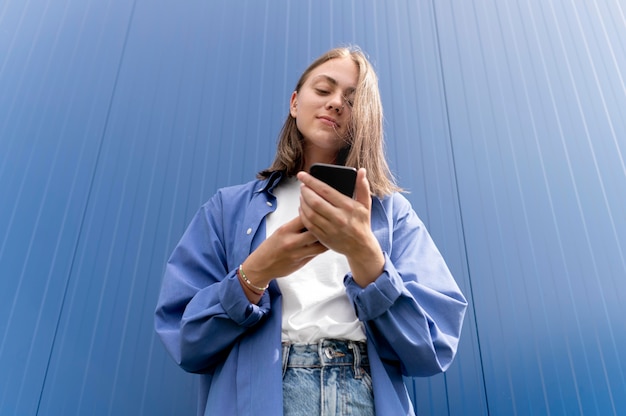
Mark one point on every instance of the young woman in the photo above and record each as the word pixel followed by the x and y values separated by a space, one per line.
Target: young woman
pixel 289 297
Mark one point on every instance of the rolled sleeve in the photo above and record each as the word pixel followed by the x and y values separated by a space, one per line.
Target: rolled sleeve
pixel 237 306
pixel 377 297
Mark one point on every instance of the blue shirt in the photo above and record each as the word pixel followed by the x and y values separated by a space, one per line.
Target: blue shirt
pixel 413 312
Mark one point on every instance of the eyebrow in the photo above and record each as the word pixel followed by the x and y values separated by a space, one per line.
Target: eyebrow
pixel 333 81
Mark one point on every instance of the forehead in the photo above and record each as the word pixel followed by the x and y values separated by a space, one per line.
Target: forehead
pixel 340 71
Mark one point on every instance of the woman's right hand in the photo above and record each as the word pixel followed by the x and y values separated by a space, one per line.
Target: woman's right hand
pixel 288 249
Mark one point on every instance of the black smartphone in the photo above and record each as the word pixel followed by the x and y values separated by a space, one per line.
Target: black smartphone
pixel 342 178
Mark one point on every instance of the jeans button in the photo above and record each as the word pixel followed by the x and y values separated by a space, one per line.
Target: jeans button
pixel 329 353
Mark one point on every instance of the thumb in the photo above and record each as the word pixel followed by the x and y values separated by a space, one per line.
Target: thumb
pixel 362 188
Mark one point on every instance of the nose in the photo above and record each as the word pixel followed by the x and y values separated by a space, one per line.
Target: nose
pixel 336 102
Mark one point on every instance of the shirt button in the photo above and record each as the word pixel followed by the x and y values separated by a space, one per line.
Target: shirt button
pixel 269 204
pixel 248 231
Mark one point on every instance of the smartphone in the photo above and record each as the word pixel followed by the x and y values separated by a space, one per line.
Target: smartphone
pixel 342 178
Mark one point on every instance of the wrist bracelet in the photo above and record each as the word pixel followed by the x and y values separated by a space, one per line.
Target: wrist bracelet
pixel 255 289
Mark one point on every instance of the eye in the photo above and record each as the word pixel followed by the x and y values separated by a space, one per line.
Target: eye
pixel 321 91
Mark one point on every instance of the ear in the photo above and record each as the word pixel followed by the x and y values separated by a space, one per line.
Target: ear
pixel 293 104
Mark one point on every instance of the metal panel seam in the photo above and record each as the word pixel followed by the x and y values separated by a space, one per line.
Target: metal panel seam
pixel 87 202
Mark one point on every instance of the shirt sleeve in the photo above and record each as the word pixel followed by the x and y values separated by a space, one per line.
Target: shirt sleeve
pixel 413 312
pixel 202 308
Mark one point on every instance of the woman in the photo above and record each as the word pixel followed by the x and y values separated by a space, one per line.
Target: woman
pixel 291 298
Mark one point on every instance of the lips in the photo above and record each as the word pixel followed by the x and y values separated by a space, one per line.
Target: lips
pixel 328 120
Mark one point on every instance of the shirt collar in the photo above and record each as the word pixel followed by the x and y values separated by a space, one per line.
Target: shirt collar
pixel 268 185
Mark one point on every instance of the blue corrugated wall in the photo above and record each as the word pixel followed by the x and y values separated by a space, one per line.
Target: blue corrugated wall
pixel 506 120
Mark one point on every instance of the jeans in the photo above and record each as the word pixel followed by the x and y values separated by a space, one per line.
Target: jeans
pixel 330 378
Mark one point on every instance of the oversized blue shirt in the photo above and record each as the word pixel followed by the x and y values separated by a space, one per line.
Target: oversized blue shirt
pixel 412 313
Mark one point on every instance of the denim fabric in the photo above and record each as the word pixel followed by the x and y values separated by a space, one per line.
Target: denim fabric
pixel 330 378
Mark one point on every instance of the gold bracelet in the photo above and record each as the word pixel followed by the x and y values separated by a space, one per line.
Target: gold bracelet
pixel 255 289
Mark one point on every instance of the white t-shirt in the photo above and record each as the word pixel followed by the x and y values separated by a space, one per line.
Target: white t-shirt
pixel 315 304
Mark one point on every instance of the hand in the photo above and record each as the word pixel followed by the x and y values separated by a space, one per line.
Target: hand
pixel 343 224
pixel 285 251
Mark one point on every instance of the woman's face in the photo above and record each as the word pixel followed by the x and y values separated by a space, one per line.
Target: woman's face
pixel 323 107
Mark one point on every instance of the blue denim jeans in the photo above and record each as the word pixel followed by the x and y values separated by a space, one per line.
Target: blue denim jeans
pixel 330 378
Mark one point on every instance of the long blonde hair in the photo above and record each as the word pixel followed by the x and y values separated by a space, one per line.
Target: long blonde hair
pixel 365 141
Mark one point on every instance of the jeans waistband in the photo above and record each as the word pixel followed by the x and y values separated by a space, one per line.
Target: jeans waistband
pixel 326 352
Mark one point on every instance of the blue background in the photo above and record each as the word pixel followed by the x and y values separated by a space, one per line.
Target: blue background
pixel 506 121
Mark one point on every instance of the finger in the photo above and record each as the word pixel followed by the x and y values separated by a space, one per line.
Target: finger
pixel 315 249
pixel 305 253
pixel 322 189
pixel 319 249
pixel 297 228
pixel 308 237
pixel 362 188
pixel 294 225
pixel 315 201
pixel 317 213
pixel 298 232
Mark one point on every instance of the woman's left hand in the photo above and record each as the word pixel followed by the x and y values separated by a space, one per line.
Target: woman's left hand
pixel 343 224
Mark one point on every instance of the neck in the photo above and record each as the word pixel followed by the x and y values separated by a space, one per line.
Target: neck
pixel 318 157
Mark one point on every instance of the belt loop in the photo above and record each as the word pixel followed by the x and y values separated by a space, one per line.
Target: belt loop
pixel 356 353
pixel 286 349
pixel 320 352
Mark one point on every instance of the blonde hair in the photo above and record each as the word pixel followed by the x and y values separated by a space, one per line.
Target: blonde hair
pixel 365 141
